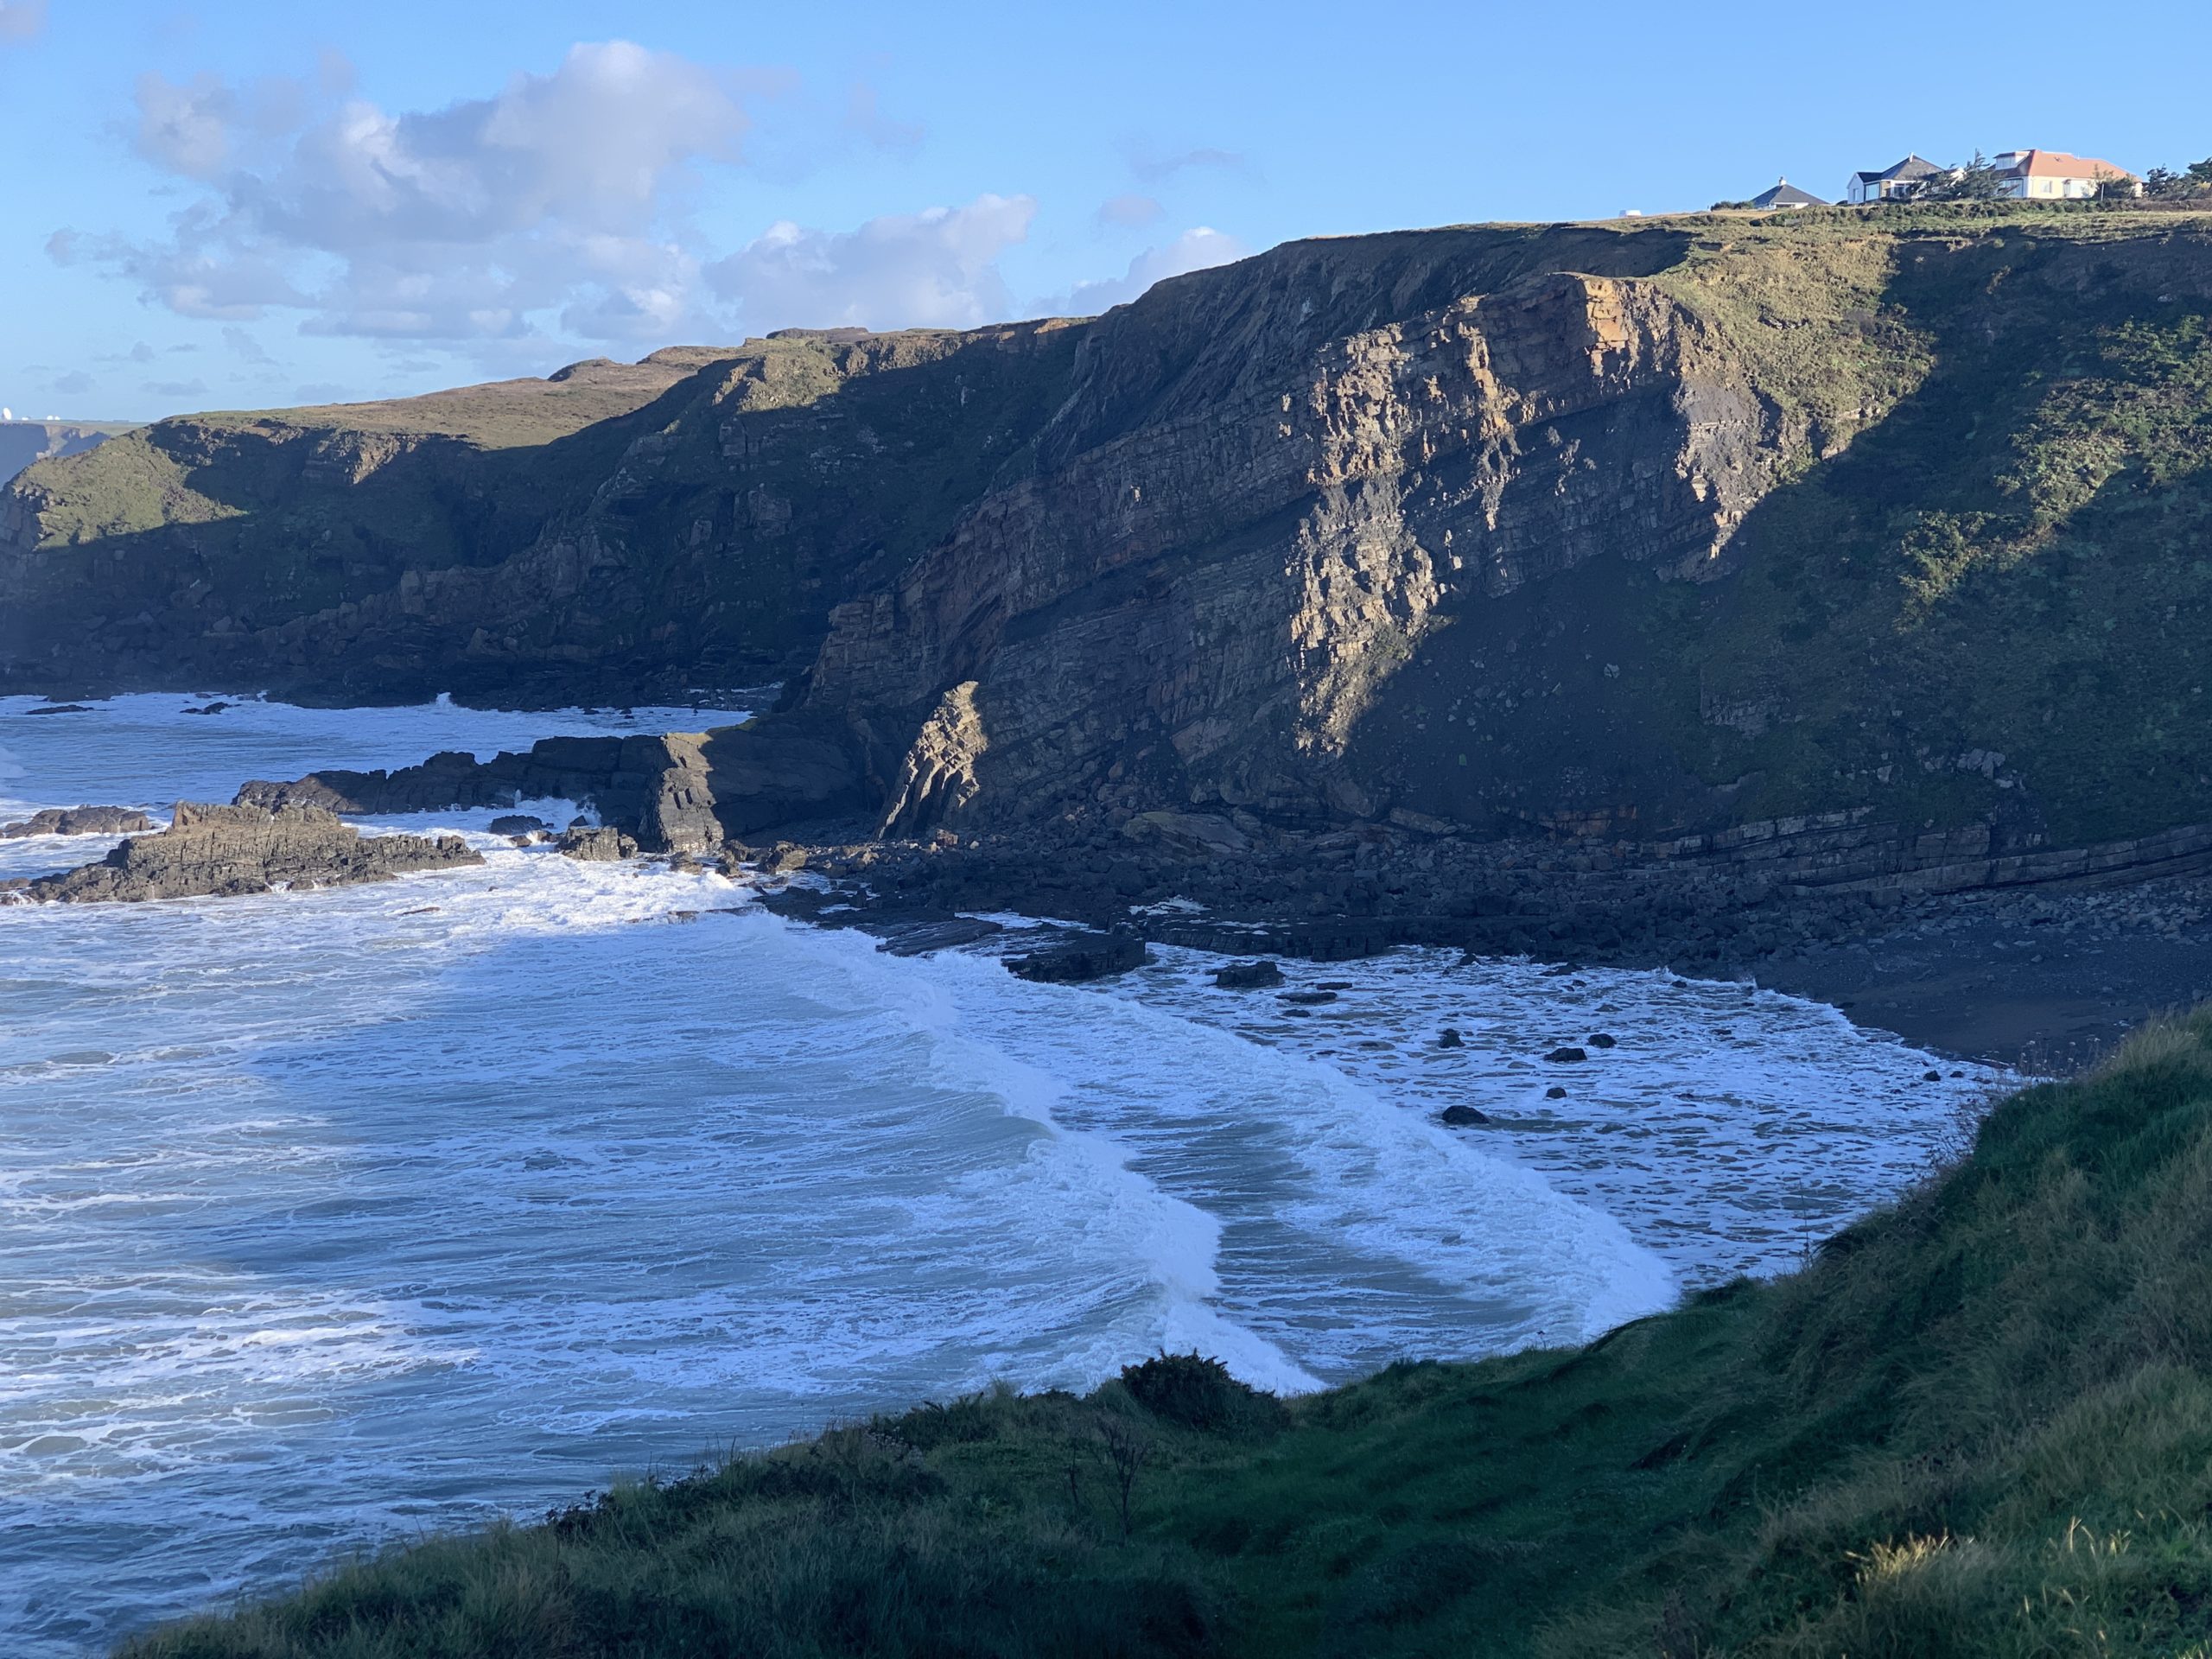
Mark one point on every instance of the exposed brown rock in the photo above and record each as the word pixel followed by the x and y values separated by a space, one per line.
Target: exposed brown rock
pixel 226 851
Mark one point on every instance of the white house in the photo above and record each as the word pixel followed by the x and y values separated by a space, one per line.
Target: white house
pixel 2053 175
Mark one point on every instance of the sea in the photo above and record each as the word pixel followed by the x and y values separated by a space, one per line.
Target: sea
pixel 330 1219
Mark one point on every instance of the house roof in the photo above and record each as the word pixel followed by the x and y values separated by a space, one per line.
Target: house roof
pixel 1913 167
pixel 1783 194
pixel 2057 164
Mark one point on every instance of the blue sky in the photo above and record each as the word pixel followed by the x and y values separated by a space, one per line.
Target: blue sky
pixel 232 205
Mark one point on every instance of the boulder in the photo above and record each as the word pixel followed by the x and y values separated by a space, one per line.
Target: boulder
pixel 1247 975
pixel 520 824
pixel 1082 957
pixel 597 844
pixel 1463 1116
pixel 79 821
pixel 1450 1038
pixel 1600 1039
pixel 1566 1056
pixel 1307 999
pixel 227 850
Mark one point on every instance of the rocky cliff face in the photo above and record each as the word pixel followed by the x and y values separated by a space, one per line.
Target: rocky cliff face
pixel 615 532
pixel 1198 594
pixel 1632 531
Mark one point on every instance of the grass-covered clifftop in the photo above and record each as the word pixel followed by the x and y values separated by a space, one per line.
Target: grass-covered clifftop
pixel 1977 1423
pixel 1637 529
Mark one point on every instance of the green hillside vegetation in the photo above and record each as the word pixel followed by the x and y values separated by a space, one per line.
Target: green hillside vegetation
pixel 1983 586
pixel 2017 560
pixel 1978 1423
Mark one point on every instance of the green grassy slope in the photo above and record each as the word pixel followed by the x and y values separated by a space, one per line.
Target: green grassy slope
pixel 1982 585
pixel 1979 1423
pixel 2018 561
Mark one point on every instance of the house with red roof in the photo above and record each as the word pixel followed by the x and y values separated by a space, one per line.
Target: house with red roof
pixel 2054 175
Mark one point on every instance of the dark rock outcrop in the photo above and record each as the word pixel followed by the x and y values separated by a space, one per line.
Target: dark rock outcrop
pixel 677 792
pixel 225 851
pixel 1082 957
pixel 597 844
pixel 1460 1116
pixel 1248 975
pixel 919 938
pixel 79 821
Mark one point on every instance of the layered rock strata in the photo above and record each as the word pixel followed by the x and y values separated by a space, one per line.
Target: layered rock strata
pixel 1615 533
pixel 226 851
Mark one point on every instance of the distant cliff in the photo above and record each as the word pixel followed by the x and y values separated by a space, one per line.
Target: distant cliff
pixel 23 442
pixel 1630 531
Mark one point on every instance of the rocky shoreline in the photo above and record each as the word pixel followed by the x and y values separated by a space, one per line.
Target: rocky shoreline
pixel 2042 978
pixel 2038 958
pixel 229 851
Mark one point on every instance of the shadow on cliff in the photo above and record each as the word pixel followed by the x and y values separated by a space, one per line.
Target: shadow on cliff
pixel 707 544
pixel 1955 620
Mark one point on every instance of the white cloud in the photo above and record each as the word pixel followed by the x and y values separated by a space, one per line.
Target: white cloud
pixel 1194 250
pixel 21 19
pixel 557 197
pixel 186 128
pixel 937 268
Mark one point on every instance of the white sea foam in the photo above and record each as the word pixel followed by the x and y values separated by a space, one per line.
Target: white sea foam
pixel 333 1214
pixel 1728 1128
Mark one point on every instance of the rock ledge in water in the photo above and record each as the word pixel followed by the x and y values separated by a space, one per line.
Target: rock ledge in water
pixel 1248 975
pixel 1082 956
pixel 79 821
pixel 223 851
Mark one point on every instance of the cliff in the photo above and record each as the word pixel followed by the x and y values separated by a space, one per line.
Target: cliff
pixel 23 442
pixel 1635 531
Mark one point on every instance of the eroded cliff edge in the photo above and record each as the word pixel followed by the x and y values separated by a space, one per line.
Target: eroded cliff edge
pixel 1897 524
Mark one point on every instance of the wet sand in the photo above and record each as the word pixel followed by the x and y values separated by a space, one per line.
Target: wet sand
pixel 2043 982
